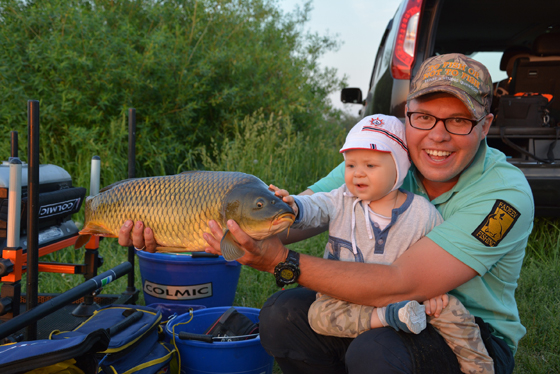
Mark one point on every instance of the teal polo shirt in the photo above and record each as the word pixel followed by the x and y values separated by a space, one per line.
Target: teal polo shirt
pixel 488 217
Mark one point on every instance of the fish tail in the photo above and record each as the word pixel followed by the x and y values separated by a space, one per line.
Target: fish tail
pixel 81 241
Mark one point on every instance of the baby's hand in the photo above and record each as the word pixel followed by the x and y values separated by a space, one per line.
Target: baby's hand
pixel 435 305
pixel 286 197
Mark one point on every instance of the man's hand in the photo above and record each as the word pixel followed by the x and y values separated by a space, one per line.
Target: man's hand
pixel 137 236
pixel 262 255
pixel 286 197
pixel 435 305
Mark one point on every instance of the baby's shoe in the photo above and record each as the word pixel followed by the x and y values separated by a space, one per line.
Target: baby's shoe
pixel 409 316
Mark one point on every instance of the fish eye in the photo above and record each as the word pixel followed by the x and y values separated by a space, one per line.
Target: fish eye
pixel 260 203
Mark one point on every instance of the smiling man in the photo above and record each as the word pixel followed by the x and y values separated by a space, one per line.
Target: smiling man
pixel 475 254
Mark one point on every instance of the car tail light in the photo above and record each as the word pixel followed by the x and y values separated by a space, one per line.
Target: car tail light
pixel 405 43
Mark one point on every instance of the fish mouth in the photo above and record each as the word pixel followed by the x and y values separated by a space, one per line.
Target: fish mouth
pixel 284 217
pixel 278 224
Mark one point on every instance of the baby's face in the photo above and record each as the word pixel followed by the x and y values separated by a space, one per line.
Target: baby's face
pixel 369 175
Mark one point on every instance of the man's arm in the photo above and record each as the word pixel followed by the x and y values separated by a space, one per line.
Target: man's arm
pixel 425 270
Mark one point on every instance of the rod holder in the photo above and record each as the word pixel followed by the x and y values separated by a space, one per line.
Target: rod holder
pixel 42 310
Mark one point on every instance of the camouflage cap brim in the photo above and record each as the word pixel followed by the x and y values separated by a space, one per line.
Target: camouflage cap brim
pixel 476 109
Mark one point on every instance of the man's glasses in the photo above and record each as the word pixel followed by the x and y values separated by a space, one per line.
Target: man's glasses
pixel 456 126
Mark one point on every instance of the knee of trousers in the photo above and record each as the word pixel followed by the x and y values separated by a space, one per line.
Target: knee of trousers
pixel 284 312
pixel 378 350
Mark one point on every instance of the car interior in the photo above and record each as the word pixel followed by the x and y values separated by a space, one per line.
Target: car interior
pixel 528 38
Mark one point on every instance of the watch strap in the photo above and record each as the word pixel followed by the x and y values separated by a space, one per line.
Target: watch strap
pixel 293 257
pixel 291 265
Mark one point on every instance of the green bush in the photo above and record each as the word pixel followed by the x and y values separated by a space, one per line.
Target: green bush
pixel 190 68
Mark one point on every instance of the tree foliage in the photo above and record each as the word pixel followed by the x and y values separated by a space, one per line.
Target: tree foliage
pixel 190 68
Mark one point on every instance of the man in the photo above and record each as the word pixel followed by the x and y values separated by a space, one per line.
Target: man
pixel 470 184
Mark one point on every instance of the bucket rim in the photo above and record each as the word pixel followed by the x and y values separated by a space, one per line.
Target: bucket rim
pixel 218 309
pixel 183 258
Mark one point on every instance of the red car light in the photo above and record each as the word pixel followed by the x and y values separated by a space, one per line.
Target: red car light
pixel 405 44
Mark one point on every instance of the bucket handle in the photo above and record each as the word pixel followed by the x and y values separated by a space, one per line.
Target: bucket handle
pixel 203 254
pixel 183 335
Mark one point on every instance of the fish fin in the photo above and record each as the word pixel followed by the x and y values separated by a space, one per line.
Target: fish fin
pixel 229 247
pixel 107 188
pixel 171 249
pixel 81 241
pixel 189 171
pixel 95 229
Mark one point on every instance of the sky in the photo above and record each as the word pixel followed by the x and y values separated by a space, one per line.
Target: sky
pixel 359 25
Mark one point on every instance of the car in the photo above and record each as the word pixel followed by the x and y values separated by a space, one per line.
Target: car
pixel 518 41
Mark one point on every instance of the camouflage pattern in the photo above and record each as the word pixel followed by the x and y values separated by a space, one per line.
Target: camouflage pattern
pixel 178 207
pixel 333 317
pixel 459 329
pixel 458 75
pixel 330 316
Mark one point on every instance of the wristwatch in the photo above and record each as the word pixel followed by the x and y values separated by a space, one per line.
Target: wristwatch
pixel 287 272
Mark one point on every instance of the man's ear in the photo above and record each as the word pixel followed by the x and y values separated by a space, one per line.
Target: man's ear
pixel 486 125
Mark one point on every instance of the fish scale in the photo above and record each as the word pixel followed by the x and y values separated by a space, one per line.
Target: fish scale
pixel 178 207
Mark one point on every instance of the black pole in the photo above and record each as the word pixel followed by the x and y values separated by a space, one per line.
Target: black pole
pixel 132 143
pixel 131 174
pixel 92 284
pixel 14 143
pixel 32 211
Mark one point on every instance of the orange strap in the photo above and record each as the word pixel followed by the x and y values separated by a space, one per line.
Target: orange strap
pixel 548 96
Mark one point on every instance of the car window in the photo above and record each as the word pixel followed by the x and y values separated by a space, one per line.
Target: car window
pixel 492 61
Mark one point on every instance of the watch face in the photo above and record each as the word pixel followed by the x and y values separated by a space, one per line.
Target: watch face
pixel 287 274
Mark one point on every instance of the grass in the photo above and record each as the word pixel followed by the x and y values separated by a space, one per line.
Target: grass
pixel 270 149
pixel 538 298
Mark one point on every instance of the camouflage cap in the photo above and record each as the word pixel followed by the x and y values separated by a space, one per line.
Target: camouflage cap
pixel 459 75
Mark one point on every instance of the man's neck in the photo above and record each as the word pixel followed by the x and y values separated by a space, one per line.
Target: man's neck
pixel 435 189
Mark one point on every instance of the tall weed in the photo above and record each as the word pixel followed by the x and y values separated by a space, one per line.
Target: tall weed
pixel 271 148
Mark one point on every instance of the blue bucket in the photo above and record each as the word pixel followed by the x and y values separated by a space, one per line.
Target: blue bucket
pixel 185 279
pixel 245 356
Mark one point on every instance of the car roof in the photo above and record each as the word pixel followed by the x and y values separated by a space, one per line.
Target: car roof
pixel 493 25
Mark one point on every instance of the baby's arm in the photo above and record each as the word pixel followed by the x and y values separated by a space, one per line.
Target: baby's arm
pixel 435 305
pixel 333 317
pixel 286 197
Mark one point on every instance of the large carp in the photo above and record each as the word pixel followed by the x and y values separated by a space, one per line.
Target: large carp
pixel 178 207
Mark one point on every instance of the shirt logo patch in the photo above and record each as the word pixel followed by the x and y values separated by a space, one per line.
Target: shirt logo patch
pixel 497 224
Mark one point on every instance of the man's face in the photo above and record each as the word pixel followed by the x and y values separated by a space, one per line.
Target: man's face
pixel 439 156
pixel 369 175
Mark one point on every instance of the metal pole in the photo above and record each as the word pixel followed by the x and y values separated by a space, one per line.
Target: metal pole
pixel 91 256
pixel 132 143
pixel 94 181
pixel 131 174
pixel 32 212
pixel 32 316
pixel 11 291
pixel 14 143
pixel 14 203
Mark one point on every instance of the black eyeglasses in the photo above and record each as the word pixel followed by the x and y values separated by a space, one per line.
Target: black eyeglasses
pixel 454 125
